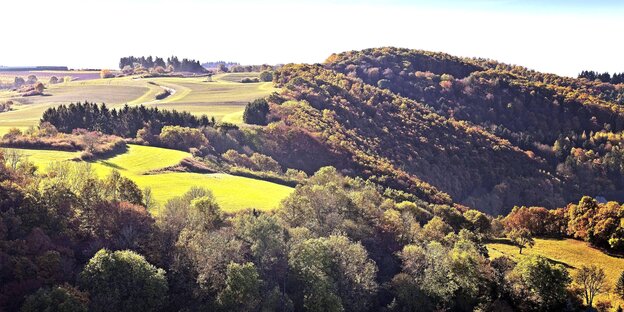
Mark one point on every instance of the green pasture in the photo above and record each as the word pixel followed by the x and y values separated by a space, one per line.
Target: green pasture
pixel 222 97
pixel 138 161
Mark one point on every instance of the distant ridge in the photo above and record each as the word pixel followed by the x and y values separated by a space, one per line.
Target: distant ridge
pixel 24 68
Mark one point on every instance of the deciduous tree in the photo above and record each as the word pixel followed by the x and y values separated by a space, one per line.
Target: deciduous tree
pixel 593 281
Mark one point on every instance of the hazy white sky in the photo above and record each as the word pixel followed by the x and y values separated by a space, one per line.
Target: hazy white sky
pixel 559 36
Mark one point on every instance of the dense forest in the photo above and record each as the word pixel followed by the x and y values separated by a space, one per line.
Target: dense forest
pixel 512 130
pixel 401 143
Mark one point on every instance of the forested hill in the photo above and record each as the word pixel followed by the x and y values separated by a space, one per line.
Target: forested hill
pixel 488 134
pixel 402 144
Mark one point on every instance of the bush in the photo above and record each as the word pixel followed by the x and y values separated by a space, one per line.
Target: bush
pixel 256 112
pixel 266 76
pixel 265 163
pixel 31 79
pixel 182 138
pixel 18 82
pixel 6 106
pixel 127 70
pixel 54 80
pixel 165 93
pixel 249 80
pixel 39 87
pixel 105 73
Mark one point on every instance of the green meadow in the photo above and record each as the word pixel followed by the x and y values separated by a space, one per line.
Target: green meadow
pixel 223 97
pixel 138 162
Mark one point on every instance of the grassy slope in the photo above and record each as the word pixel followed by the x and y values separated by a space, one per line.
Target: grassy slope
pixel 227 189
pixel 224 97
pixel 572 254
pixel 41 158
pixel 114 92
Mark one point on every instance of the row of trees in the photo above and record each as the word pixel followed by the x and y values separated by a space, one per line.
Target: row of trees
pixel 597 223
pixel 604 77
pixel 124 122
pixel 237 68
pixel 218 64
pixel 185 65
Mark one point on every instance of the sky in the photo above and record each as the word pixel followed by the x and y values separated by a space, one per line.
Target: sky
pixel 556 36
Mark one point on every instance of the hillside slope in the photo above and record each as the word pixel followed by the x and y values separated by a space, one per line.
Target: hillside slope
pixel 405 145
pixel 575 125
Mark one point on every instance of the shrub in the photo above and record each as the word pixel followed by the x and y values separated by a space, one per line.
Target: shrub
pixel 182 138
pixel 127 70
pixel 6 106
pixel 266 76
pixel 31 79
pixel 249 80
pixel 265 163
pixel 54 80
pixel 165 93
pixel 240 160
pixel 256 112
pixel 18 82
pixel 39 87
pixel 159 70
pixel 105 73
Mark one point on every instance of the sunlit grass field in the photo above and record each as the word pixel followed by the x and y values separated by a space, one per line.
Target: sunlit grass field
pixel 223 98
pixel 114 92
pixel 139 160
pixel 572 254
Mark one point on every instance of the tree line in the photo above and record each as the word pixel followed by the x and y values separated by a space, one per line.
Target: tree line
pixel 124 122
pixel 185 65
pixel 604 77
pixel 596 223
